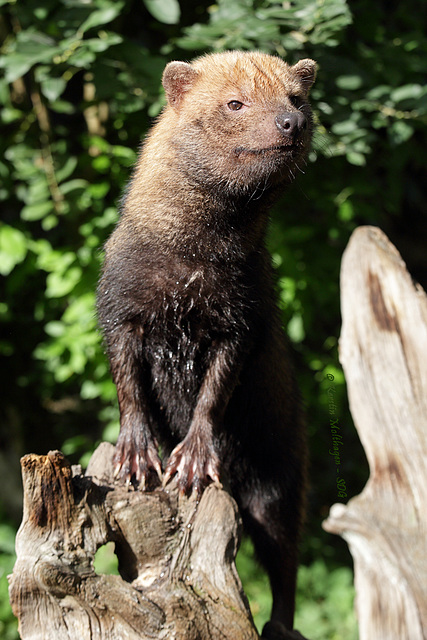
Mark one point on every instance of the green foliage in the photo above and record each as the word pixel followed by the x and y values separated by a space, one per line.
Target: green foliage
pixel 106 561
pixel 8 624
pixel 269 25
pixel 167 11
pixel 79 84
pixel 324 602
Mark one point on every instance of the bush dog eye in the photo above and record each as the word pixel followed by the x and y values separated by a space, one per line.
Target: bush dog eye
pixel 235 105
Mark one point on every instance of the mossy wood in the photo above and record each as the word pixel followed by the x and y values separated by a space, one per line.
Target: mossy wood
pixel 176 559
pixel 383 350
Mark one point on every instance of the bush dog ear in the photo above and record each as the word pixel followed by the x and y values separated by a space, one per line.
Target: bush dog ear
pixel 178 78
pixel 305 70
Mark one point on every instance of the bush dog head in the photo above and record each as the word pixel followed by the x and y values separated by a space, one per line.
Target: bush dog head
pixel 239 118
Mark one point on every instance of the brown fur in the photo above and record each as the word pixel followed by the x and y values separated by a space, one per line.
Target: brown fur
pixel 187 303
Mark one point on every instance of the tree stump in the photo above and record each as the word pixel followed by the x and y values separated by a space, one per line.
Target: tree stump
pixel 176 557
pixel 383 350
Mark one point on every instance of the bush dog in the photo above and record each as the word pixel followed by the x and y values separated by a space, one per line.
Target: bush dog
pixel 187 302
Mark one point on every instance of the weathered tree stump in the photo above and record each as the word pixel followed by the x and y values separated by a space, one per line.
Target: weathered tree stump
pixel 383 350
pixel 176 559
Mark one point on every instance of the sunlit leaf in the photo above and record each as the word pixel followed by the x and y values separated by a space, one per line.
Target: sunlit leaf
pixel 13 248
pixel 61 284
pixel 36 211
pixel 102 16
pixel 349 82
pixel 166 11
pixel 52 88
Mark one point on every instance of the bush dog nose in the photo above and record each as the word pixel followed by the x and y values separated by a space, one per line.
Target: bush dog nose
pixel 291 124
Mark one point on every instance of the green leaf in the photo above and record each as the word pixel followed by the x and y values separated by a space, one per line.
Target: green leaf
pixel 51 260
pixel 49 222
pixel 296 328
pixel 358 159
pixel 9 115
pixel 287 290
pixel 346 211
pixel 345 127
pixel 55 329
pixel 124 153
pixel 73 185
pixel 407 92
pixel 62 106
pixel 67 169
pixel 166 11
pixel 61 284
pixel 101 163
pixel 98 45
pixel 400 132
pixel 36 211
pixel 82 57
pixel 52 88
pixel 90 390
pixel 349 82
pixel 99 189
pixel 13 248
pixel 102 16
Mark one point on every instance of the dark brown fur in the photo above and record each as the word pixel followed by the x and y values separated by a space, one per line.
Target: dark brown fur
pixel 187 304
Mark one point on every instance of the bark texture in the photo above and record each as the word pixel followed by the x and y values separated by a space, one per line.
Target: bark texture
pixel 176 559
pixel 383 350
